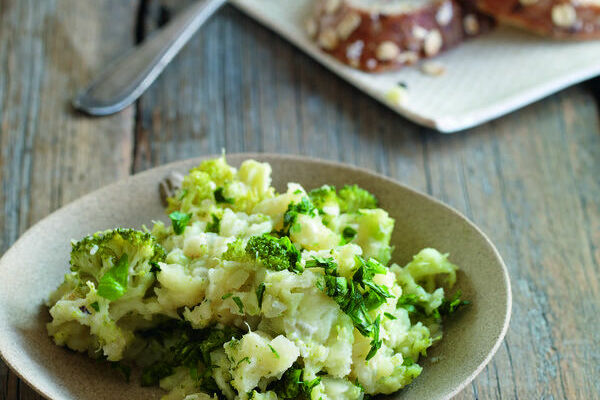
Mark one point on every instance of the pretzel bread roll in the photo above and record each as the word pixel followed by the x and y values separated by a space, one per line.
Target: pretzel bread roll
pixel 380 35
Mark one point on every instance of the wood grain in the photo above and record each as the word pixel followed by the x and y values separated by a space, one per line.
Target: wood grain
pixel 48 154
pixel 530 180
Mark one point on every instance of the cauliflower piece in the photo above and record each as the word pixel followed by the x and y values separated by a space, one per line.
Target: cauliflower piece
pixel 386 372
pixel 180 287
pixel 263 396
pixel 310 233
pixel 335 389
pixel 374 233
pixel 241 225
pixel 256 356
pixel 427 265
pixel 276 206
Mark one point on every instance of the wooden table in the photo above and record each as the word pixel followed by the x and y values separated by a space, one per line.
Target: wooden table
pixel 530 180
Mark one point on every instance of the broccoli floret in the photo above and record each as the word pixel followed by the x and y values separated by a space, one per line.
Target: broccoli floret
pixel 428 265
pixel 179 221
pixel 236 251
pixel 109 266
pixel 273 253
pixel 223 186
pixel 375 229
pixel 196 187
pixel 103 257
pixel 276 254
pixel 353 198
pixel 324 197
pixel 218 170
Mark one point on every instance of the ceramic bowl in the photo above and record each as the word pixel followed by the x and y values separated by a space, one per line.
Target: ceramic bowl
pixel 37 262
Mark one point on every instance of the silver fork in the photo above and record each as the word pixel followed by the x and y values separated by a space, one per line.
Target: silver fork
pixel 125 79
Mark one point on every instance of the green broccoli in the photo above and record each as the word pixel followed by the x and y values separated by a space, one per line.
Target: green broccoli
pixel 276 254
pixel 117 261
pixel 354 198
pixel 109 266
pixel 324 196
pixel 273 253
pixel 201 183
pixel 349 199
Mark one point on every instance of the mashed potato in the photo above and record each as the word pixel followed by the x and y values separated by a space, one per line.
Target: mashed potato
pixel 251 294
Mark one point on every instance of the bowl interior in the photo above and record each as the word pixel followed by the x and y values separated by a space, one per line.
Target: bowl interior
pixel 37 262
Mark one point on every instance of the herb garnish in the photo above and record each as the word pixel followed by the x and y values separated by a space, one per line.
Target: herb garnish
pixel 180 221
pixel 291 385
pixel 239 303
pixel 273 351
pixel 220 196
pixel 113 283
pixel 348 234
pixel 305 206
pixel 260 291
pixel 357 296
pixel 215 225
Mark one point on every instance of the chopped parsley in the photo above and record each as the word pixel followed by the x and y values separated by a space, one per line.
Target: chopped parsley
pixel 291 385
pixel 327 264
pixel 226 296
pixel 154 267
pixel 273 351
pixel 348 234
pixel 245 359
pixel 357 296
pixel 180 221
pixel 95 306
pixel 260 292
pixel 113 283
pixel 220 196
pixel 389 316
pixel 376 342
pixel 215 225
pixel 452 304
pixel 182 194
pixel 410 302
pixel 176 344
pixel 305 206
pixel 239 303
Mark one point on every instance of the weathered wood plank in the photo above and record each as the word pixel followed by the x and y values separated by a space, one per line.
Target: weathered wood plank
pixel 522 179
pixel 49 155
pixel 530 180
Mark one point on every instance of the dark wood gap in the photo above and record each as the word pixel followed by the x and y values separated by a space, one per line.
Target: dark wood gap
pixel 140 34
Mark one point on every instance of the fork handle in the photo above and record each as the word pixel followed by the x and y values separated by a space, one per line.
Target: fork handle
pixel 125 79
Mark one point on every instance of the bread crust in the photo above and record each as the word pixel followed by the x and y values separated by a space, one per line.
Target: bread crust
pixel 374 41
pixel 560 19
